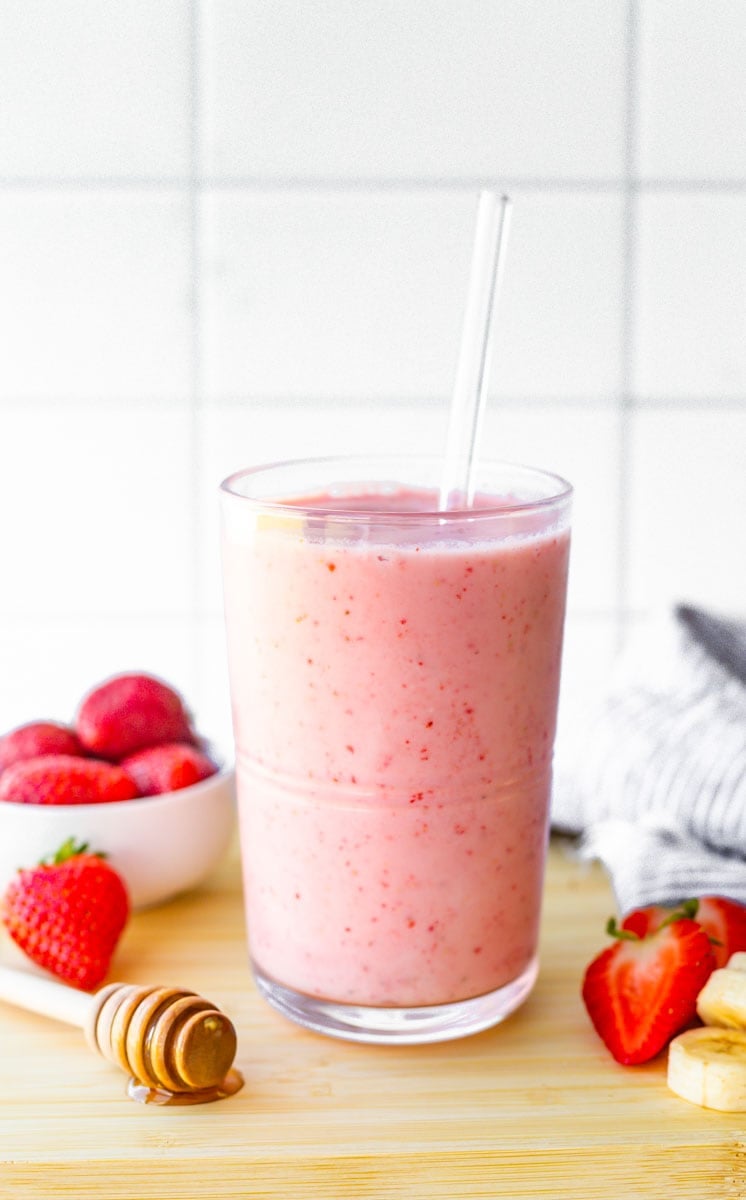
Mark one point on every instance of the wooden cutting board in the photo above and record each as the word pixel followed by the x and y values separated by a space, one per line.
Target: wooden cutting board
pixel 535 1107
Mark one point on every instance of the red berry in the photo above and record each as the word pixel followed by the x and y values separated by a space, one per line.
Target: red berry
pixel 64 779
pixel 642 991
pixel 167 768
pixel 129 713
pixel 68 914
pixel 723 920
pixel 37 738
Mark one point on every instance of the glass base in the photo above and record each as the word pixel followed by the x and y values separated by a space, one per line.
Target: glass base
pixel 398 1026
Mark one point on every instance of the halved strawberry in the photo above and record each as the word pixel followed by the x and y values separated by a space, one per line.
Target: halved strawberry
pixel 723 920
pixel 642 991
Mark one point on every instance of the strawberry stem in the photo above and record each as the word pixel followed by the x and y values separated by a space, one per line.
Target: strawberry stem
pixel 624 935
pixel 687 911
pixel 69 849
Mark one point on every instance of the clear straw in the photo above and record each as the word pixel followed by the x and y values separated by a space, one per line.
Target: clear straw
pixel 472 372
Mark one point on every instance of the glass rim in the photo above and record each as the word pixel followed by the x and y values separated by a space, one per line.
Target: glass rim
pixel 337 510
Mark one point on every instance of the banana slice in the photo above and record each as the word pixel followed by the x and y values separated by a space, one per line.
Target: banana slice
pixel 722 1000
pixel 708 1067
pixel 737 961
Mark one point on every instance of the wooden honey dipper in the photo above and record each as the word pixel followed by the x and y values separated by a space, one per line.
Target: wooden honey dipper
pixel 177 1047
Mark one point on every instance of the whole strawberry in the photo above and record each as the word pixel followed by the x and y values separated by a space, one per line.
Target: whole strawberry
pixel 129 713
pixel 68 913
pixel 64 779
pixel 35 739
pixel 167 768
pixel 642 991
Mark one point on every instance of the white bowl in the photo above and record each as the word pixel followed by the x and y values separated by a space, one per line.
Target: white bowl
pixel 161 845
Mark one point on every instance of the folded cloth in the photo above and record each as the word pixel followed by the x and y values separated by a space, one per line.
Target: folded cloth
pixel 656 783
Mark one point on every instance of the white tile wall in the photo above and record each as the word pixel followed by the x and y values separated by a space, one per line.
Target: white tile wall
pixel 91 90
pixel 688 509
pixel 96 502
pixel 558 329
pixel 235 230
pixel 384 90
pixel 691 297
pixel 94 303
pixel 333 294
pixel 692 100
pixel 360 294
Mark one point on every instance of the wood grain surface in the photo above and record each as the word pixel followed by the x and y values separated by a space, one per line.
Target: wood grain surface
pixel 533 1108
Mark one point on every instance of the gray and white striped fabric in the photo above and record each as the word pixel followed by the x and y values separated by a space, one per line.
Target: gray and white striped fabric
pixel 656 781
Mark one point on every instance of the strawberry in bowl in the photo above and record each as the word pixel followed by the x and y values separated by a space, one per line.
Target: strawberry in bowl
pixel 37 739
pixel 131 712
pixel 129 774
pixel 167 768
pixel 66 779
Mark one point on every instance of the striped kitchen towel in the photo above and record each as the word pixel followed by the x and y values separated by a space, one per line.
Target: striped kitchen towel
pixel 656 786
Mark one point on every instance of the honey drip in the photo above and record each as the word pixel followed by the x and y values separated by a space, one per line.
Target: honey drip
pixel 144 1094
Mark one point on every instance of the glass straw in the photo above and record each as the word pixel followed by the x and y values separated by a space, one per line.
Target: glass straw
pixel 472 372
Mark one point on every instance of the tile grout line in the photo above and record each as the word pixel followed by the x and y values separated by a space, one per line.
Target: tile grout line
pixel 355 184
pixel 626 398
pixel 600 402
pixel 195 343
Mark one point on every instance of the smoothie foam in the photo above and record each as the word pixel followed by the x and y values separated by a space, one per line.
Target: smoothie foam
pixel 394 701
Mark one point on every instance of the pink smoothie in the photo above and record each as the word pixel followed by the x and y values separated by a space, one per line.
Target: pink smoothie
pixel 394 710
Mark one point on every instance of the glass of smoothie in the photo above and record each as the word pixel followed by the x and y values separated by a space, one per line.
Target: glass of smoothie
pixel 394 674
